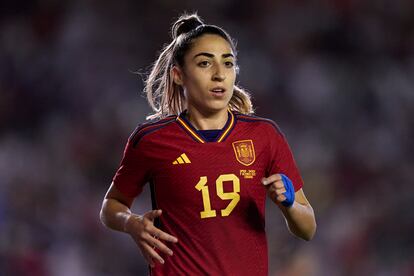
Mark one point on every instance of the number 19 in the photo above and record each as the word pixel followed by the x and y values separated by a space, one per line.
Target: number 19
pixel 234 196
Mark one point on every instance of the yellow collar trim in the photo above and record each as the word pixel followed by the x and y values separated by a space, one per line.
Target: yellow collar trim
pixel 199 138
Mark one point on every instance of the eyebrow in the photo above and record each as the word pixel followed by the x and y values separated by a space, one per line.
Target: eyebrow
pixel 211 55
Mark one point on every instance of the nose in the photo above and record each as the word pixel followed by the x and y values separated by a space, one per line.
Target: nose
pixel 218 74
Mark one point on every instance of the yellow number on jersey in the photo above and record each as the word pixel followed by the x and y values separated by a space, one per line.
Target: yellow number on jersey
pixel 233 196
pixel 207 213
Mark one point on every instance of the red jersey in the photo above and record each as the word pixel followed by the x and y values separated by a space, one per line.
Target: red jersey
pixel 210 193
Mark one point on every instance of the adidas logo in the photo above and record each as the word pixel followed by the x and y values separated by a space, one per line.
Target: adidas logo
pixel 182 159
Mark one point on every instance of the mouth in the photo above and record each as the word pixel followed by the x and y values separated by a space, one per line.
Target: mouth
pixel 218 90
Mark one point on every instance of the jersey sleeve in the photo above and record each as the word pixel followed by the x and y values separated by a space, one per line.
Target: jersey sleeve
pixel 133 171
pixel 282 160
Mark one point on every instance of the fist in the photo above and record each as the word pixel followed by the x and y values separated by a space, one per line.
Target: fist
pixel 280 189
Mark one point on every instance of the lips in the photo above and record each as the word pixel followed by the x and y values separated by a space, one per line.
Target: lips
pixel 218 90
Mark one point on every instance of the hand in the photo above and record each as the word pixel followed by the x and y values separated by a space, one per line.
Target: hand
pixel 148 237
pixel 280 189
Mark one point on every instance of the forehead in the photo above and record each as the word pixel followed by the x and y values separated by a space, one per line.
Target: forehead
pixel 210 43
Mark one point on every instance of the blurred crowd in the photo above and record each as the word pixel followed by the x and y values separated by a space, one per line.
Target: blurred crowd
pixel 337 76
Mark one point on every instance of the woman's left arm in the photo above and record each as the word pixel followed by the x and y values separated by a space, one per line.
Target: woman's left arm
pixel 300 217
pixel 299 214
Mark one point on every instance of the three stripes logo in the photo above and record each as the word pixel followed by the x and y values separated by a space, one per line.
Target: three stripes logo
pixel 182 159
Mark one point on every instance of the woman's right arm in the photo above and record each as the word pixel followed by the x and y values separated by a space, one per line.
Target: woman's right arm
pixel 115 210
pixel 116 214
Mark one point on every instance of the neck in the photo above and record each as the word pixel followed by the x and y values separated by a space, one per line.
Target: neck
pixel 205 121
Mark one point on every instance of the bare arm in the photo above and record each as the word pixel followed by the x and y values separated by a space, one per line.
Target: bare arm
pixel 116 214
pixel 299 217
pixel 115 210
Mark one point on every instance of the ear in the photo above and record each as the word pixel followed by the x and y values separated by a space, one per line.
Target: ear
pixel 177 75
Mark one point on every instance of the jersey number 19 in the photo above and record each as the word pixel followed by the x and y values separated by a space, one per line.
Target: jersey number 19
pixel 234 196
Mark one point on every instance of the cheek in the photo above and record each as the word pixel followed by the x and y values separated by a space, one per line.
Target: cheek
pixel 197 80
pixel 234 73
pixel 194 87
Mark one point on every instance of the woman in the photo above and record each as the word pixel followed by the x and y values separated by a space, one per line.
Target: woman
pixel 209 163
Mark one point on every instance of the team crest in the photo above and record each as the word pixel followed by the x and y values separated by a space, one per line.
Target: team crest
pixel 244 151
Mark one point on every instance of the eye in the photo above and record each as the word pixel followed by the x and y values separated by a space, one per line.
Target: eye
pixel 203 63
pixel 229 64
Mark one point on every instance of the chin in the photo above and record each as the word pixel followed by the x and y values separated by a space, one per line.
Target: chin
pixel 218 108
pixel 213 106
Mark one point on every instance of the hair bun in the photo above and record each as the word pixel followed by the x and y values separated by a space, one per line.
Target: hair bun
pixel 186 23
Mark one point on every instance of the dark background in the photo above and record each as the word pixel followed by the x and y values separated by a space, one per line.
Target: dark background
pixel 337 76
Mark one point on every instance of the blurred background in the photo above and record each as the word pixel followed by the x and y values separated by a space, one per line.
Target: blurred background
pixel 337 76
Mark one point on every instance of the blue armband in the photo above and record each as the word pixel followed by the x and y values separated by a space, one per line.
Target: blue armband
pixel 290 191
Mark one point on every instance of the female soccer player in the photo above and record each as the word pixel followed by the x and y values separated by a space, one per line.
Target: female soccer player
pixel 209 163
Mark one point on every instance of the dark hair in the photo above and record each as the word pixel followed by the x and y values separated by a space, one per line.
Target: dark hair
pixel 167 98
pixel 187 29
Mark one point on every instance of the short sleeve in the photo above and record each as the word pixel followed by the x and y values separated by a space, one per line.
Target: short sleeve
pixel 282 160
pixel 133 171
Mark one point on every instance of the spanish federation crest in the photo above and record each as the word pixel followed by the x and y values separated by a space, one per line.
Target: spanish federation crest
pixel 244 151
